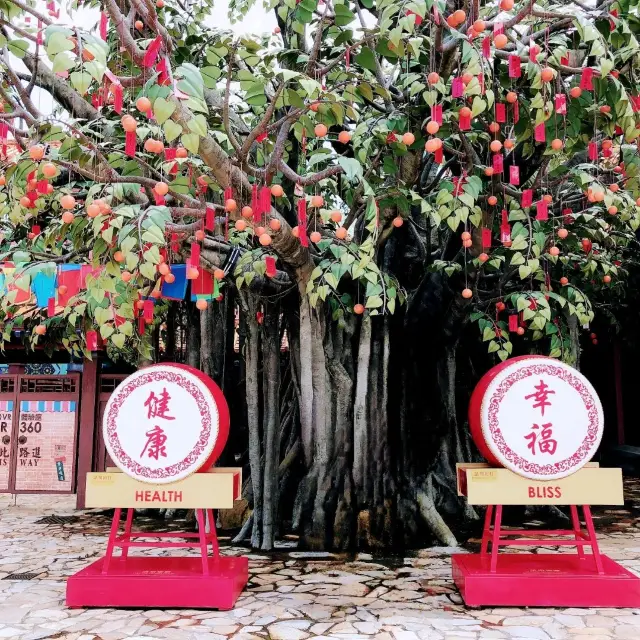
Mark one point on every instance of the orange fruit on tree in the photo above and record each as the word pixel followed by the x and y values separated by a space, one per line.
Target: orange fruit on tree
pixel 67 201
pixel 488 171
pixel 614 187
pixel 341 233
pixel 181 152
pixel 467 243
pixel 25 202
pixel 159 4
pixel 483 257
pixel 575 92
pixel 49 170
pixel 465 235
pixel 344 137
pixel 126 276
pixel 163 269
pixel 161 188
pixel 408 138
pixel 3 181
pixel 247 212
pixel 295 231
pixel 479 26
pixel 607 279
pixel 548 198
pixel 317 201
pixel 128 122
pixel 554 251
pixel 67 217
pixel 358 309
pixel 492 200
pixel 320 130
pixel 506 5
pixel 139 25
pixel 240 225
pixel 277 191
pixel 336 216
pixel 433 78
pixel 62 289
pixel 433 127
pixel 218 274
pixel 494 127
pixel 199 234
pixel 40 329
pixel 192 273
pixel 465 112
pixel 459 16
pixel 613 210
pixel 557 144
pixel 495 146
pixel 315 236
pixel 143 104
pixel 398 221
pixel 93 210
pixel 265 239
pixel 433 145
pixel 274 224
pixel 259 231
pixel 36 152
pixel 201 304
pixel 547 74
pixel 509 143
pixel 230 205
pixel 118 256
pixel 512 97
pixel 520 331
pixel 169 278
pixel 605 109
pixel 564 281
pixel 314 106
pixel 500 41
pixel 467 293
pixel 49 188
pixel 562 233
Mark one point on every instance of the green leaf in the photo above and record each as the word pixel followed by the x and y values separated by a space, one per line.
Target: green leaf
pixel 58 42
pixel 118 340
pixel 191 142
pixel 352 168
pixel 366 58
pixel 106 330
pixel 63 62
pixel 191 83
pixel 198 124
pixel 163 109
pixel 373 302
pixel 18 48
pixel 171 130
pixel 210 76
pixel 148 270
pixel 81 81
pixel 343 16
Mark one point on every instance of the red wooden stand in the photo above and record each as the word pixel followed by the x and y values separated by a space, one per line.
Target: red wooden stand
pixel 544 580
pixel 209 581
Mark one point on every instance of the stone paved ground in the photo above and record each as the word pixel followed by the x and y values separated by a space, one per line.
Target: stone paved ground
pixel 291 596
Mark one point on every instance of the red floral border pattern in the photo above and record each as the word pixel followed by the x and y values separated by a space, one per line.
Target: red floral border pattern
pixel 203 445
pixel 566 466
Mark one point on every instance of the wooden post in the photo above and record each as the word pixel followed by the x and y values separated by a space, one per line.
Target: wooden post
pixel 88 399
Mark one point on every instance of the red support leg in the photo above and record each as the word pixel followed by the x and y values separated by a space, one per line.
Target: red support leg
pixel 591 530
pixel 127 533
pixel 495 541
pixel 213 534
pixel 486 532
pixel 115 524
pixel 202 535
pixel 577 528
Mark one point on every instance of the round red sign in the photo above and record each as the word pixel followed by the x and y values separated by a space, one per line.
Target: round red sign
pixel 165 422
pixel 537 416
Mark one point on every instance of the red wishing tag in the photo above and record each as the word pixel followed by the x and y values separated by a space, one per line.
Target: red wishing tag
pixel 586 79
pixel 486 47
pixel 527 198
pixel 498 163
pixel 270 263
pixel 436 113
pixel 516 112
pixel 457 88
pixel 501 112
pixel 515 69
pixel 561 104
pixel 92 340
pixel 513 322
pixel 438 156
pixel 209 219
pixel 593 150
pixel 465 122
pixel 486 237
pixel 540 133
pixel 542 210
pixel 514 175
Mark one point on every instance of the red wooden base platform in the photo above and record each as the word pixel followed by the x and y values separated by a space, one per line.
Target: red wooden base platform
pixel 159 582
pixel 543 580
pixel 204 581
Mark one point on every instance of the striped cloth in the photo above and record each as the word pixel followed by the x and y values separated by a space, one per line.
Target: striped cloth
pixel 65 406
pixel 6 405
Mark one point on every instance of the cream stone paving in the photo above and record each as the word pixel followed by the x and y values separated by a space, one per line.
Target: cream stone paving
pixel 292 595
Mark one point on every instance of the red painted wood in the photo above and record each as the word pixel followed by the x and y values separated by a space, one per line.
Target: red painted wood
pixel 544 580
pixel 160 582
pixel 475 406
pixel 86 435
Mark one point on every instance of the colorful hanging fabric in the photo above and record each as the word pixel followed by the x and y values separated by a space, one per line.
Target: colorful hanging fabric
pixel 69 276
pixel 542 210
pixel 302 222
pixel 202 286
pixel 43 285
pixel 151 54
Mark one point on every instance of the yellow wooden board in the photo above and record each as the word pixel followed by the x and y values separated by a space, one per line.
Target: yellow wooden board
pixel 216 489
pixel 591 485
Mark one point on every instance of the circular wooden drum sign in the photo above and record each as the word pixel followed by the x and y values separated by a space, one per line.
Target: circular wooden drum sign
pixel 536 416
pixel 165 422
